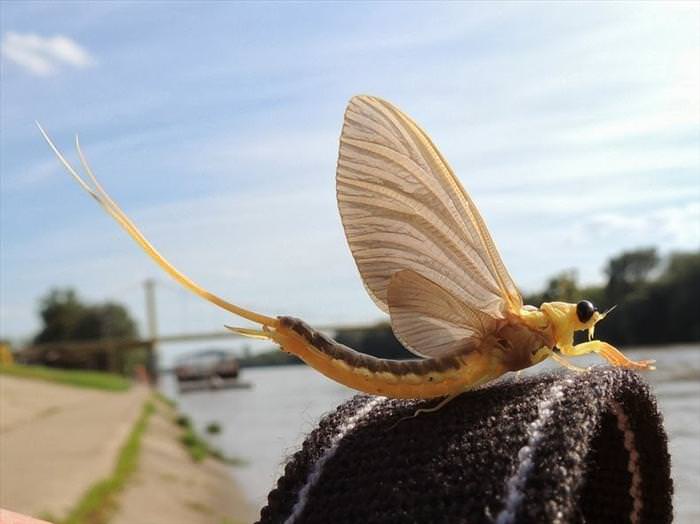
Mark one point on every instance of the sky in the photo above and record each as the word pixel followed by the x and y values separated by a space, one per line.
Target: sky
pixel 575 128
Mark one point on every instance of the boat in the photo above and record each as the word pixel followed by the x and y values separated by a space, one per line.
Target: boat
pixel 208 370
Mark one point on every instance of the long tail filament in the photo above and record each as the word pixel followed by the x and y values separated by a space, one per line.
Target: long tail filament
pixel 111 207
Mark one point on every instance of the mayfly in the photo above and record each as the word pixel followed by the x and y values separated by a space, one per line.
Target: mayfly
pixel 427 260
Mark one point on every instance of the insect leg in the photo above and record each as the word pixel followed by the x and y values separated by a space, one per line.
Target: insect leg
pixel 436 407
pixel 609 353
pixel 567 363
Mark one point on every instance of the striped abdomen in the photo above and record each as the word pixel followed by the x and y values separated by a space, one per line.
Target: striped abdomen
pixel 417 378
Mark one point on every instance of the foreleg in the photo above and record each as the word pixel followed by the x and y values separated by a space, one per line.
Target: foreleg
pixel 609 353
pixel 566 363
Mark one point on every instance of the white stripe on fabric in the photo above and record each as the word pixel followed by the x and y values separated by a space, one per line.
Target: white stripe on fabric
pixel 516 483
pixel 623 425
pixel 345 428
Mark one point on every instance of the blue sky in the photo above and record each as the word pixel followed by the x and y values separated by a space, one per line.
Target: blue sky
pixel 576 128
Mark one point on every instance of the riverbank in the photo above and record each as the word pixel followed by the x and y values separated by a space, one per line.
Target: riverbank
pixel 169 487
pixel 59 444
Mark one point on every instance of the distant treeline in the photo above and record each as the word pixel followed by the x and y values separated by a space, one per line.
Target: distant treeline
pixel 66 317
pixel 378 340
pixel 67 320
pixel 657 299
pixel 273 357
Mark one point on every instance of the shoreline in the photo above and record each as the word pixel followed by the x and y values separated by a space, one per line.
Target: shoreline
pixel 61 443
pixel 168 486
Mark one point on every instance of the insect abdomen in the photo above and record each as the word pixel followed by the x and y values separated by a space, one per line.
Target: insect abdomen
pixel 415 378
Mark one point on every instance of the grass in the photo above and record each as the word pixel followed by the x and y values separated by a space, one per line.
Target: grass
pixel 183 421
pixel 79 378
pixel 99 502
pixel 165 400
pixel 199 507
pixel 198 448
pixel 213 428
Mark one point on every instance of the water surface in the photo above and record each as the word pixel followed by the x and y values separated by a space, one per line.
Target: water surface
pixel 267 423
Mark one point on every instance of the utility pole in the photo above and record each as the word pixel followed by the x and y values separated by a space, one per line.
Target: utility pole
pixel 149 287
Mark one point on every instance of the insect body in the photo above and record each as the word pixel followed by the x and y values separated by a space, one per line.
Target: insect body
pixel 426 258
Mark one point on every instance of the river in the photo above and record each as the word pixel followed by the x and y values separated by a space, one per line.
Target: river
pixel 267 423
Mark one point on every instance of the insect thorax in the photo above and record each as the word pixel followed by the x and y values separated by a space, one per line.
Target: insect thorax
pixel 520 343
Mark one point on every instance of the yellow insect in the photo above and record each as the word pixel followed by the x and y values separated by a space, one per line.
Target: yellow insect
pixel 426 258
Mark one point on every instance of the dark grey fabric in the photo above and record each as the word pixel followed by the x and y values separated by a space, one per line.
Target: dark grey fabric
pixel 549 448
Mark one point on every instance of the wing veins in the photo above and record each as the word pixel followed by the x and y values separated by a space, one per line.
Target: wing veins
pixel 420 210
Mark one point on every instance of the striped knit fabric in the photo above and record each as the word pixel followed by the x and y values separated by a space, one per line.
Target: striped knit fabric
pixel 586 447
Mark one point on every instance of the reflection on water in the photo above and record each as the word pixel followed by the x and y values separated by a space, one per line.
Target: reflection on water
pixel 265 424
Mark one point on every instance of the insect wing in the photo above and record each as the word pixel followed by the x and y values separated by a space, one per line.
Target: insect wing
pixel 431 322
pixel 403 208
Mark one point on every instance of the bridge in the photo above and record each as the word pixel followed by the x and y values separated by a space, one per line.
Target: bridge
pixel 111 354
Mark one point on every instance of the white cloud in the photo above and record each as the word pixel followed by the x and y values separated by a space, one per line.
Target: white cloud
pixel 651 123
pixel 44 56
pixel 674 227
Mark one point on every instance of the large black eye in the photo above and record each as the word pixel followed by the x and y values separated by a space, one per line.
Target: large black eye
pixel 585 310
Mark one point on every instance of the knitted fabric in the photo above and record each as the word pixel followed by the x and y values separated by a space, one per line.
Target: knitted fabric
pixel 582 447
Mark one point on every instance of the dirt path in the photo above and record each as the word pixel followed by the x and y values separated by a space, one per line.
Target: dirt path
pixel 56 441
pixel 168 487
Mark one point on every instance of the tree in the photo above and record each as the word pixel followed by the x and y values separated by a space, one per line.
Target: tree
pixel 378 340
pixel 628 271
pixel 562 287
pixel 680 286
pixel 60 312
pixel 65 317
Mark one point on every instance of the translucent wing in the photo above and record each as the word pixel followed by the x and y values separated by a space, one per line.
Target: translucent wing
pixel 403 208
pixel 429 321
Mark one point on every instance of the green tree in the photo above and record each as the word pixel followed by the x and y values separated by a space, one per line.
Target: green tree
pixel 378 340
pixel 679 285
pixel 629 271
pixel 108 320
pixel 66 317
pixel 60 311
pixel 562 287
